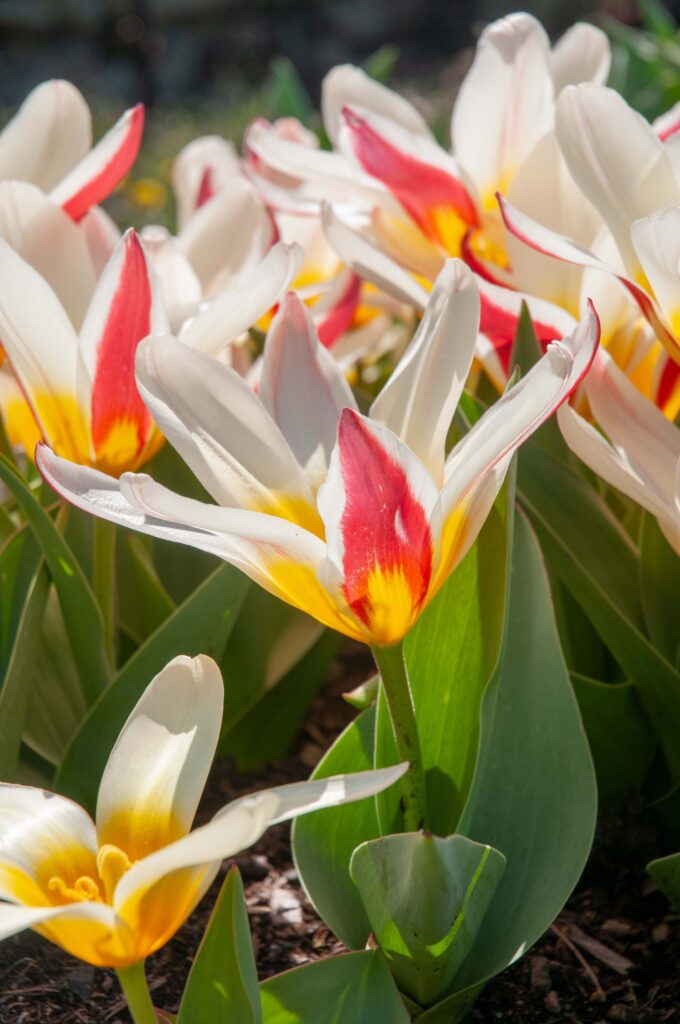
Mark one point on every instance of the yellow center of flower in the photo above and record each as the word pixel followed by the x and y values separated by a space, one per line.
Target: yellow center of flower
pixel 84 890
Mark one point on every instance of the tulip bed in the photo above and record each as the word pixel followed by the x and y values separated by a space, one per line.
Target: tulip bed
pixel 380 412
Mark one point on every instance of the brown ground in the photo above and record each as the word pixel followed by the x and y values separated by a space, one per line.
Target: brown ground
pixel 613 955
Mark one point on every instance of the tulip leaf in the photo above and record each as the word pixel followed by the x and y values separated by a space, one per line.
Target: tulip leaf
pixel 665 873
pixel 222 984
pixel 200 625
pixel 323 842
pixel 15 694
pixel 586 547
pixel 426 898
pixel 81 612
pixel 622 740
pixel 660 589
pixel 355 988
pixel 534 795
pixel 143 601
pixel 364 695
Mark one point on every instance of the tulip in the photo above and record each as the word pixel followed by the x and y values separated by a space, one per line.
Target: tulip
pixel 114 890
pixel 48 143
pixel 356 520
pixel 418 204
pixel 625 168
pixel 640 454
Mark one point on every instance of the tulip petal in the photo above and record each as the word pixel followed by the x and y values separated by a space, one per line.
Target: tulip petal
pixel 379 506
pixel 236 827
pixel 42 347
pixel 182 291
pixel 657 244
pixel 42 836
pixel 220 428
pixel 302 388
pixel 505 103
pixel 43 235
pixel 616 159
pixel 206 164
pixel 544 240
pixel 520 411
pixel 49 134
pixel 667 124
pixel 226 236
pixel 346 85
pixel 96 176
pixel 102 236
pixel 156 772
pixel 582 54
pixel 242 304
pixel 420 398
pixel 423 178
pixel 370 262
pixel 336 310
pixel 126 307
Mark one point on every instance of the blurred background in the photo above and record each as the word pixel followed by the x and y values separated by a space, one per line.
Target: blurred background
pixel 209 66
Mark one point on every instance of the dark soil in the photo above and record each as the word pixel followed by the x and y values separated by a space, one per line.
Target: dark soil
pixel 612 956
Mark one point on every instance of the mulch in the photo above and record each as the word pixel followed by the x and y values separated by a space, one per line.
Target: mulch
pixel 613 955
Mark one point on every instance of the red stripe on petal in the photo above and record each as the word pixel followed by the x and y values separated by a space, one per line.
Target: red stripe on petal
pixel 339 317
pixel 500 327
pixel 424 190
pixel 670 377
pixel 206 188
pixel 104 176
pixel 117 409
pixel 384 528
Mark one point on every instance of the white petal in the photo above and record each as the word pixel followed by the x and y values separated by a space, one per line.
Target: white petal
pixel 347 85
pixel 420 398
pixel 46 237
pixel 657 243
pixel 226 236
pixel 48 135
pixel 15 919
pixel 216 423
pixel 102 236
pixel 182 291
pixel 505 103
pixel 582 54
pixel 303 388
pixel 156 772
pixel 241 823
pixel 43 832
pixel 616 159
pixel 210 160
pixel 240 306
pixel 520 411
pixel 369 262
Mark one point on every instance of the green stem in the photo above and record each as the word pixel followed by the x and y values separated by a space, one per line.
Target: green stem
pixel 395 684
pixel 104 580
pixel 136 991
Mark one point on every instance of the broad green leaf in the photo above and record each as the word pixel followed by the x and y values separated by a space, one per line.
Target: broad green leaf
pixel 665 873
pixel 355 988
pixel 266 732
pixel 660 589
pixel 588 550
pixel 15 694
pixel 81 614
pixel 426 898
pixel 57 706
pixel 201 625
pixel 222 984
pixel 381 64
pixel 19 558
pixel 287 94
pixel 526 350
pixel 323 842
pixel 534 794
pixel 143 601
pixel 621 738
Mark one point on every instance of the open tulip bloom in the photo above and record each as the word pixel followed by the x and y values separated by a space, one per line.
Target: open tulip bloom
pixel 114 890
pixel 357 520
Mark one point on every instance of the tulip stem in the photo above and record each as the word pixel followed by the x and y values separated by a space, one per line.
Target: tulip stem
pixel 136 991
pixel 104 580
pixel 397 690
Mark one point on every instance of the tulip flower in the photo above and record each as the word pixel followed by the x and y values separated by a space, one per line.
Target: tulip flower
pixel 356 519
pixel 114 890
pixel 640 454
pixel 418 204
pixel 48 143
pixel 626 171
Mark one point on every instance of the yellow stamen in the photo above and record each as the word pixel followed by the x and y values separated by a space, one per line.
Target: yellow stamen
pixel 112 863
pixel 84 890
